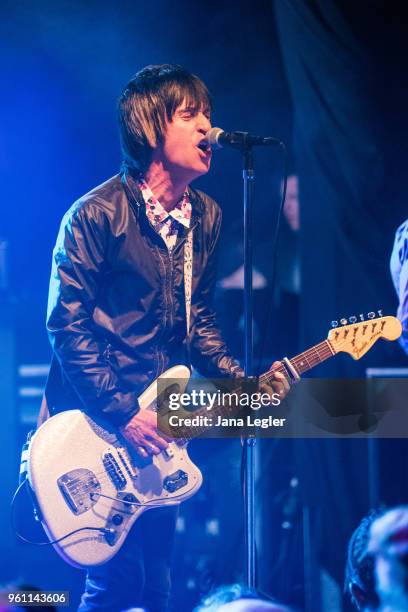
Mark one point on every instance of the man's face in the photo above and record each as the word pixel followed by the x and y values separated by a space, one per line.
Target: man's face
pixel 180 152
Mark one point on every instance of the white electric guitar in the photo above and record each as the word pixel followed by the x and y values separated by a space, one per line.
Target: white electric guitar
pixel 90 487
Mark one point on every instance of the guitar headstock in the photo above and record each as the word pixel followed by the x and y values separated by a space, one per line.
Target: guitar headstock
pixel 357 335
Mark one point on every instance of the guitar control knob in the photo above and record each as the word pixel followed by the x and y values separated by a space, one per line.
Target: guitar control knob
pixel 117 519
pixel 130 502
pixel 129 497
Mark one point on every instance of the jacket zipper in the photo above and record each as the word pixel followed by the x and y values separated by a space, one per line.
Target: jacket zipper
pixel 160 360
pixel 171 297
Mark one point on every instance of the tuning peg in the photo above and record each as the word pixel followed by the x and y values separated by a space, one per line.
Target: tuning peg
pixel 361 317
pixel 371 315
pixel 380 313
pixel 343 321
pixel 334 323
pixel 353 319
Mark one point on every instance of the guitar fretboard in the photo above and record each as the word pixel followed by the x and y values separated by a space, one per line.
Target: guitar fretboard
pixel 306 360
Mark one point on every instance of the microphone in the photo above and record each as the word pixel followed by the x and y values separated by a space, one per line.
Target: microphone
pixel 217 138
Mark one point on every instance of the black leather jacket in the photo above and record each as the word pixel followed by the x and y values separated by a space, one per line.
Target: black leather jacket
pixel 116 309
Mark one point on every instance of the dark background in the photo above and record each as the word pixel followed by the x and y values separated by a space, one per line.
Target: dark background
pixel 329 78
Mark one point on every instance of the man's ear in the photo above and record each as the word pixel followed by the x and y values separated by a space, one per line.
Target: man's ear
pixel 358 595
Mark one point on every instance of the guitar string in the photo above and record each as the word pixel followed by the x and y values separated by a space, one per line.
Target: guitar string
pixel 317 354
pixel 103 475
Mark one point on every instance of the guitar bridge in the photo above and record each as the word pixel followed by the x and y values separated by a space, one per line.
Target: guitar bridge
pixel 80 489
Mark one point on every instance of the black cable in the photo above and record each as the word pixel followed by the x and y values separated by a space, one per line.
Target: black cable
pixel 49 542
pixel 100 529
pixel 275 255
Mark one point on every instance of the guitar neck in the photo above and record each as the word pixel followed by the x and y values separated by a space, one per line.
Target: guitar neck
pixel 301 363
pixel 305 361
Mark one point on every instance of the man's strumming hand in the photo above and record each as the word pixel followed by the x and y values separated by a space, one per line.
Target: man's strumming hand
pixel 141 432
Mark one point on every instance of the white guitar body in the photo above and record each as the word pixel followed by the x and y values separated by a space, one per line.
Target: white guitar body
pixel 74 462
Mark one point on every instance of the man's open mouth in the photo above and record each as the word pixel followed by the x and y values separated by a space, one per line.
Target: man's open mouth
pixel 204 146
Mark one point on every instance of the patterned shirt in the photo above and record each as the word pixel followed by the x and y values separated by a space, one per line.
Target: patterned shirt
pixel 166 223
pixel 399 272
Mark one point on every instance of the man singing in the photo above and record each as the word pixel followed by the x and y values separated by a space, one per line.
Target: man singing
pixel 117 305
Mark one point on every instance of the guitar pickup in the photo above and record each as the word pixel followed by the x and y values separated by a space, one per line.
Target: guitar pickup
pixel 114 471
pixel 175 481
pixel 127 462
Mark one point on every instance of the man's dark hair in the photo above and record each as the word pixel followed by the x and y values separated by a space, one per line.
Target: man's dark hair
pixel 359 575
pixel 148 103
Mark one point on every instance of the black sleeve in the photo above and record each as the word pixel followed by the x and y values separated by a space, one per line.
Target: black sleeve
pixel 209 353
pixel 79 261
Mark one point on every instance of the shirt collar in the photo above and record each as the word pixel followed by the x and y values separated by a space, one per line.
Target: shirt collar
pixel 157 214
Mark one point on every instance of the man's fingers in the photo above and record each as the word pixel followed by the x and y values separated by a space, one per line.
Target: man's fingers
pixel 280 376
pixel 146 448
pixel 146 442
pixel 282 379
pixel 151 449
pixel 154 438
pixel 279 383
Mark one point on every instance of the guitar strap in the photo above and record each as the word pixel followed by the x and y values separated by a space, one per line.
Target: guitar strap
pixel 188 275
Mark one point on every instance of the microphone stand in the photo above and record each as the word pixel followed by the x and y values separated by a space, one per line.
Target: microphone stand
pixel 245 143
pixel 248 443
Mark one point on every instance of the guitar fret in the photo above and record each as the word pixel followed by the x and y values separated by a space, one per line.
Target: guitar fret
pixel 313 356
pixel 307 360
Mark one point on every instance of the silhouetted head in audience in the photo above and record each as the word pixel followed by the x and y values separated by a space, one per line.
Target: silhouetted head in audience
pixel 388 545
pixel 359 578
pixel 238 598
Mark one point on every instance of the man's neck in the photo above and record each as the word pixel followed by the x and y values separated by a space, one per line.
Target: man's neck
pixel 167 188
